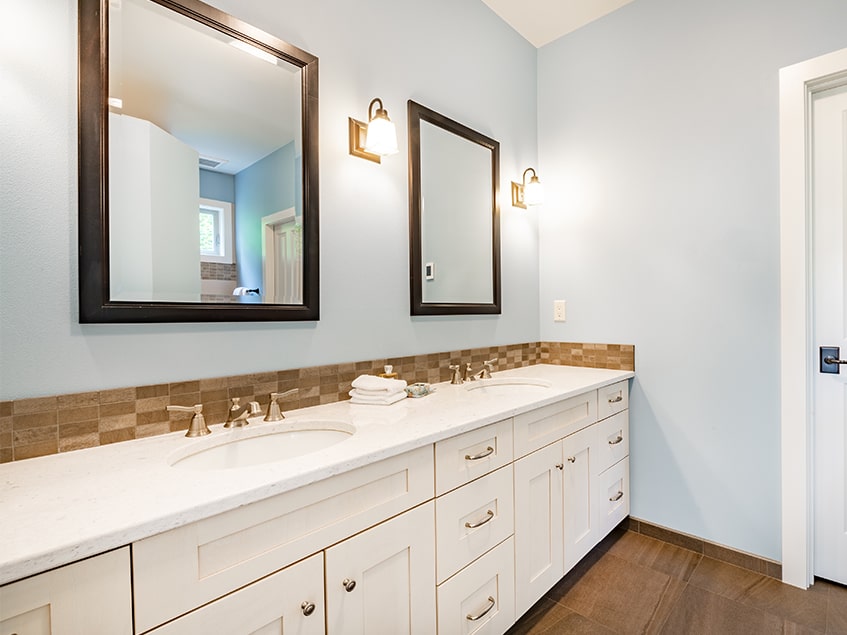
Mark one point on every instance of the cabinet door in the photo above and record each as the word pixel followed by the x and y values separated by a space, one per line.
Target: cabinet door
pixel 91 596
pixel 581 533
pixel 289 602
pixel 539 534
pixel 383 580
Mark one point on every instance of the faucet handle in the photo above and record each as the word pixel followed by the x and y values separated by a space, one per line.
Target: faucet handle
pixel 456 378
pixel 274 413
pixel 197 427
pixel 487 367
pixel 466 372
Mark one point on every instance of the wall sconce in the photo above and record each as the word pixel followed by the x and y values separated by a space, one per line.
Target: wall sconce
pixel 525 194
pixel 375 139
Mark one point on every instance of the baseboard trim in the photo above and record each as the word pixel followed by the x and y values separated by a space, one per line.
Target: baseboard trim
pixel 738 558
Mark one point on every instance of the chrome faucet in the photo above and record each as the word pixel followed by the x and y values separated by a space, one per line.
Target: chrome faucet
pixel 237 415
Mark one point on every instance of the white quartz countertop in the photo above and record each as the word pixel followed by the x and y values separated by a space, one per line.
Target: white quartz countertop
pixel 60 508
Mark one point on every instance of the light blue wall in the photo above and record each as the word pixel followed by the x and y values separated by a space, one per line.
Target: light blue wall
pixel 264 188
pixel 658 146
pixel 455 56
pixel 217 186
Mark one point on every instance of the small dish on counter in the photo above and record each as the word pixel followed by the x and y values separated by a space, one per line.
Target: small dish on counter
pixel 419 389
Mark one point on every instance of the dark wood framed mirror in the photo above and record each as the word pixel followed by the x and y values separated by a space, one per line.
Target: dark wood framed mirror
pixel 198 167
pixel 454 216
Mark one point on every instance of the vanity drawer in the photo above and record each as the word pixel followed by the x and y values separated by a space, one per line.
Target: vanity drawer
pixel 613 501
pixel 540 427
pixel 263 607
pixel 612 440
pixel 187 567
pixel 487 505
pixel 484 590
pixel 463 458
pixel 612 399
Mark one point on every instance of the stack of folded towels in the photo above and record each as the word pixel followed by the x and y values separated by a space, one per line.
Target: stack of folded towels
pixel 369 389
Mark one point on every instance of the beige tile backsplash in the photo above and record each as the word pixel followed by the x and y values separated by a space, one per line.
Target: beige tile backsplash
pixel 48 425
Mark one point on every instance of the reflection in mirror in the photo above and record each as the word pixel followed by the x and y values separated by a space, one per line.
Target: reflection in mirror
pixel 454 217
pixel 206 200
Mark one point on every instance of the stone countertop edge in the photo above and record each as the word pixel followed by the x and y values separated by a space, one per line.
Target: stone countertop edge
pixel 62 508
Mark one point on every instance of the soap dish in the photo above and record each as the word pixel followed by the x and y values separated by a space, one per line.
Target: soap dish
pixel 419 389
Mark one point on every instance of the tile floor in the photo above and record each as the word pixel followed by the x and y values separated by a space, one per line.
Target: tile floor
pixel 631 583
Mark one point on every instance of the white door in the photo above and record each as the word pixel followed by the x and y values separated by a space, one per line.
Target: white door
pixel 580 531
pixel 829 146
pixel 282 254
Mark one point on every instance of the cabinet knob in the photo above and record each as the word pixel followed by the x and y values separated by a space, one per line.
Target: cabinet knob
pixel 560 466
pixel 348 584
pixel 308 608
pixel 571 459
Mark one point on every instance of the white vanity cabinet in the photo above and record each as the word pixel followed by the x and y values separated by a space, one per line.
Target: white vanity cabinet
pixel 90 596
pixel 474 531
pixel 569 493
pixel 383 580
pixel 179 570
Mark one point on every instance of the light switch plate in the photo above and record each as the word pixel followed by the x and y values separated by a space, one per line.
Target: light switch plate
pixel 558 310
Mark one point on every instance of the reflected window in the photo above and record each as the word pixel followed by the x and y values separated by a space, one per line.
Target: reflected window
pixel 216 238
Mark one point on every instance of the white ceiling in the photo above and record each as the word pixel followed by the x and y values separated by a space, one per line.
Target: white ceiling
pixel 542 21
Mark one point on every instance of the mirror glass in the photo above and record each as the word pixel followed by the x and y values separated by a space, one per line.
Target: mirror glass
pixel 454 216
pixel 207 178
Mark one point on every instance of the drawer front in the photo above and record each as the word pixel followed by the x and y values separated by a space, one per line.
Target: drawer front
pixel 612 399
pixel 472 519
pixel 612 440
pixel 613 499
pixel 90 596
pixel 481 597
pixel 178 570
pixel 545 425
pixel 461 459
pixel 263 607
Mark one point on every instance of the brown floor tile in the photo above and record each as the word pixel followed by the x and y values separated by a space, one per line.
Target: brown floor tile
pixel 808 608
pixel 836 612
pixel 539 618
pixel 700 612
pixel 621 595
pixel 658 555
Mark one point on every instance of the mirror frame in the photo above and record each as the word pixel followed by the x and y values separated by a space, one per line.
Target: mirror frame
pixel 95 303
pixel 416 114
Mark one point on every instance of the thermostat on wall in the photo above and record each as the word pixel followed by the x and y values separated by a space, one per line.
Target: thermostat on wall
pixel 429 271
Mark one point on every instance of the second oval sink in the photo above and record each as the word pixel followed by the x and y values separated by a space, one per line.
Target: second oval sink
pixel 507 385
pixel 260 445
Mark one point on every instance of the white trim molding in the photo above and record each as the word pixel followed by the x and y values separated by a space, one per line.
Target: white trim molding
pixel 797 84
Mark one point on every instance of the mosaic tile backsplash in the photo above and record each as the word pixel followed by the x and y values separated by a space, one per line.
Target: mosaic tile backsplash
pixel 61 423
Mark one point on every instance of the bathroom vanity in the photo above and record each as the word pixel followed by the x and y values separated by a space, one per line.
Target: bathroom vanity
pixel 452 513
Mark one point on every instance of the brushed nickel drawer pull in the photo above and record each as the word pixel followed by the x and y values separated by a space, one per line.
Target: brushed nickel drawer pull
pixel 476 457
pixel 487 519
pixel 617 399
pixel 491 604
pixel 616 497
pixel 348 584
pixel 308 608
pixel 616 440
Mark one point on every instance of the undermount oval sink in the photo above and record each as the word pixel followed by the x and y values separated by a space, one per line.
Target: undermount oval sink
pixel 507 385
pixel 260 443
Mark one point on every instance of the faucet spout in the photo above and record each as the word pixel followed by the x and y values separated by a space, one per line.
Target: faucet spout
pixel 237 415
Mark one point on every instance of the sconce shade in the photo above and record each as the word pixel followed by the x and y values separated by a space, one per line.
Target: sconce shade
pixel 377 138
pixel 381 137
pixel 525 194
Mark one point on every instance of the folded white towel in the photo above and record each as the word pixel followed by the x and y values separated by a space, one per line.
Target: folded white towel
pixel 382 384
pixel 385 400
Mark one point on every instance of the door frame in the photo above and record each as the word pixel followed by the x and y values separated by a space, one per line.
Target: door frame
pixel 797 85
